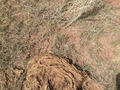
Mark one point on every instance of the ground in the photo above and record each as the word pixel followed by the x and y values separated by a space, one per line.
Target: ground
pixel 86 33
pixel 50 72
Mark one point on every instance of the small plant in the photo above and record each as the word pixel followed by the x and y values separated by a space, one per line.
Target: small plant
pixel 61 38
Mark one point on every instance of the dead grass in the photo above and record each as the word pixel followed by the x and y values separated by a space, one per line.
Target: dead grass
pixel 24 27
pixel 28 28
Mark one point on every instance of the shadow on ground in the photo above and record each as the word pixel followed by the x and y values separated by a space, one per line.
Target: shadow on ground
pixel 118 81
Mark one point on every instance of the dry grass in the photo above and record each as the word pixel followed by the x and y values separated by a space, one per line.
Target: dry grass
pixel 29 27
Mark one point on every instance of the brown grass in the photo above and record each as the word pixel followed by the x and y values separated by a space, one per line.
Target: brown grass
pixel 32 27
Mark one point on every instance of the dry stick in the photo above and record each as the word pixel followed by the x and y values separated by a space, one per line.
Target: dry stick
pixel 84 11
